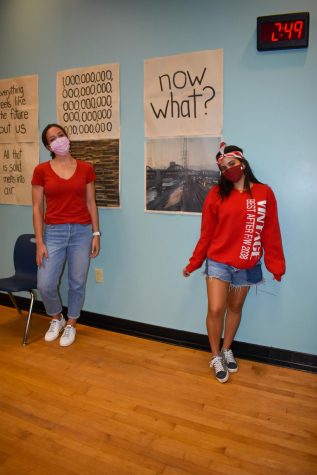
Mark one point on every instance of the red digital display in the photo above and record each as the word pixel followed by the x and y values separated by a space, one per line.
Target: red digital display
pixel 283 31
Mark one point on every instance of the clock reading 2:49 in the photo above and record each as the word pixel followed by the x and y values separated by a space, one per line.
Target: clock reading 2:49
pixel 285 31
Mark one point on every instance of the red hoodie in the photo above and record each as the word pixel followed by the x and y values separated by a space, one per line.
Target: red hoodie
pixel 237 229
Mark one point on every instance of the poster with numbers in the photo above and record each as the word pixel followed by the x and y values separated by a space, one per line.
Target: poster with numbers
pixel 88 107
pixel 88 102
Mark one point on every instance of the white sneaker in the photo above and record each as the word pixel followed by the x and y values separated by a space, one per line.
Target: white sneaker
pixel 220 369
pixel 55 328
pixel 68 337
pixel 230 361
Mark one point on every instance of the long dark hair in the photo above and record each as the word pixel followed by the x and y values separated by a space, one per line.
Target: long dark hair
pixel 226 186
pixel 44 138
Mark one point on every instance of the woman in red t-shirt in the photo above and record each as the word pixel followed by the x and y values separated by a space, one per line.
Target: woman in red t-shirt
pixel 239 224
pixel 68 230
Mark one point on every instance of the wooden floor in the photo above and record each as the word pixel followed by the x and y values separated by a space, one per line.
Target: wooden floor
pixel 115 404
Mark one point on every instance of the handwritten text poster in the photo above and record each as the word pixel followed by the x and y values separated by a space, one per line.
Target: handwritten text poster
pixel 19 147
pixel 17 162
pixel 183 95
pixel 88 102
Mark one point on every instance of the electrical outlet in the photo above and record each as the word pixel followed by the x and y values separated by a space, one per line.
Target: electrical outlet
pixel 99 275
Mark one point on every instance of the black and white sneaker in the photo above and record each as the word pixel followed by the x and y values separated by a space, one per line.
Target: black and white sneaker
pixel 230 361
pixel 220 369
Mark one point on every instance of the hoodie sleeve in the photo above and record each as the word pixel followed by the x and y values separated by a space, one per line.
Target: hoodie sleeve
pixel 208 226
pixel 271 239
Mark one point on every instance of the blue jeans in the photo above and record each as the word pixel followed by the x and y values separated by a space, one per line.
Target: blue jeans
pixel 71 243
pixel 236 277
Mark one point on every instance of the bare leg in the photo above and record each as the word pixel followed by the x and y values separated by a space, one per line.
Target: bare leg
pixel 236 299
pixel 217 293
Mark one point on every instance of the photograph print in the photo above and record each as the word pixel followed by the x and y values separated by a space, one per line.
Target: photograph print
pixel 179 173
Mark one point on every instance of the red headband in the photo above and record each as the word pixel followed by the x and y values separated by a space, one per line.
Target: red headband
pixel 234 153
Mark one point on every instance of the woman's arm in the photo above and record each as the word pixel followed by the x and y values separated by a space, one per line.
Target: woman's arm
pixel 271 239
pixel 38 222
pixel 208 227
pixel 93 211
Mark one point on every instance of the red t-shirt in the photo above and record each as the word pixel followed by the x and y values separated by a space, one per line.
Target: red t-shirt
pixel 237 229
pixel 65 199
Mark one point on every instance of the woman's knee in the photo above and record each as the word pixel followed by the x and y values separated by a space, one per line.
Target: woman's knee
pixel 77 282
pixel 215 313
pixel 46 287
pixel 235 307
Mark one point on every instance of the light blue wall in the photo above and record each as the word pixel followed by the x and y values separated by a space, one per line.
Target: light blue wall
pixel 270 105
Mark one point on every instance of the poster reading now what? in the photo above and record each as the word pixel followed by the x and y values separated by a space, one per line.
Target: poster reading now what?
pixel 183 95
pixel 88 102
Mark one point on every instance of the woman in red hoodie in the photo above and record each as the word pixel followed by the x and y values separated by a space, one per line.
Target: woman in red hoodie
pixel 239 223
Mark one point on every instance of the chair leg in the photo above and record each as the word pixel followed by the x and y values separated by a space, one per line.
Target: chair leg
pixel 28 320
pixel 12 298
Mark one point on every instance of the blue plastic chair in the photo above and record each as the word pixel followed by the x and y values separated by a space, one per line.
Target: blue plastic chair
pixel 25 277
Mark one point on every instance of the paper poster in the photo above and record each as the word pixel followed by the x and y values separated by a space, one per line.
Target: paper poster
pixel 19 109
pixel 88 102
pixel 17 162
pixel 179 173
pixel 183 95
pixel 19 147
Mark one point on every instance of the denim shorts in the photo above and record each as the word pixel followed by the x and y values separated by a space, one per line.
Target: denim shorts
pixel 236 277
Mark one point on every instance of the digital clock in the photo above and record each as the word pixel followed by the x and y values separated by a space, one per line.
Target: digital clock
pixel 284 31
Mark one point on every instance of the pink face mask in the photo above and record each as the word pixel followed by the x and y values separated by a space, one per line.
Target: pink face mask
pixel 234 173
pixel 60 146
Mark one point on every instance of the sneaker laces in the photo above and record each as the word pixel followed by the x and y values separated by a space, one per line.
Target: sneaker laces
pixel 53 325
pixel 229 356
pixel 217 363
pixel 68 330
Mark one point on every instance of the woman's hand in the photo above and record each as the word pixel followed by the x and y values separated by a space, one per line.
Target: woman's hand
pixel 95 246
pixel 41 252
pixel 186 273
